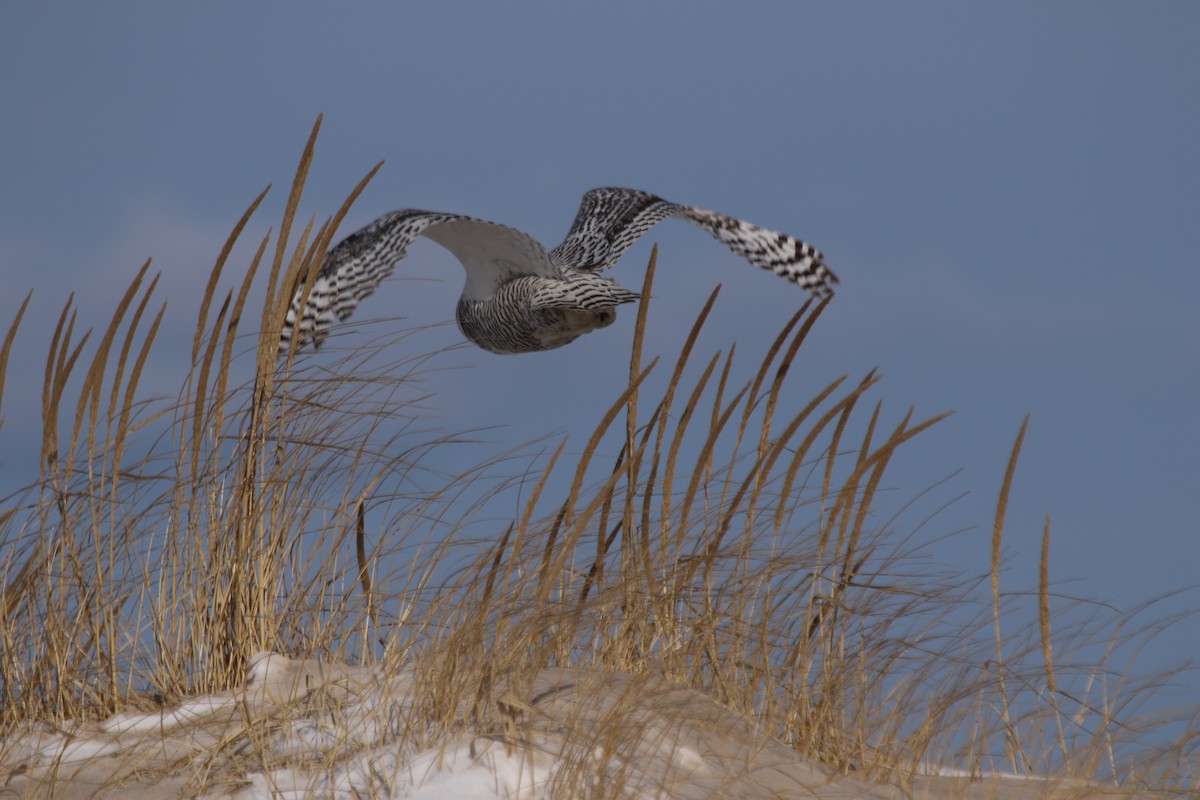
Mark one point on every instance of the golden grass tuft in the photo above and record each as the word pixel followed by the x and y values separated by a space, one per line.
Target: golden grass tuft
pixel 726 537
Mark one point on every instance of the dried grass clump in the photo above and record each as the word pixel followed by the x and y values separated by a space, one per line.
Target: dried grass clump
pixel 716 534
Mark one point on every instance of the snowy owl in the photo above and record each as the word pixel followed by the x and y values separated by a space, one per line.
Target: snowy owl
pixel 518 297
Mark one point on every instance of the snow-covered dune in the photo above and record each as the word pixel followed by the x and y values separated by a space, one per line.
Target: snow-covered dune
pixel 303 728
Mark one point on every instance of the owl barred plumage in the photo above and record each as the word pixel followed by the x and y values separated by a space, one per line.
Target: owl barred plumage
pixel 518 297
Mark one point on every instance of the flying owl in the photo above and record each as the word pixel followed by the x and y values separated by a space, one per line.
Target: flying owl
pixel 519 298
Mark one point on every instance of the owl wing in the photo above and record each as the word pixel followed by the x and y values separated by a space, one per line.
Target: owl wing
pixel 354 268
pixel 610 220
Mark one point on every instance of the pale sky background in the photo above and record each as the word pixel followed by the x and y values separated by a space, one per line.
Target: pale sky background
pixel 1009 192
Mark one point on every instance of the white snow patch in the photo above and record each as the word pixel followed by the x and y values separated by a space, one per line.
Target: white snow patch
pixel 188 712
pixel 70 750
pixel 306 729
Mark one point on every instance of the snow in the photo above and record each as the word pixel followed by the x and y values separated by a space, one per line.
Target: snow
pixel 307 729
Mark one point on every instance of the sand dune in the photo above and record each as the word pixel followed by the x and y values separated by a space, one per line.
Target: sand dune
pixel 303 728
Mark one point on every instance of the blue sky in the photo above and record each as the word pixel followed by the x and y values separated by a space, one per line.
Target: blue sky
pixel 1010 194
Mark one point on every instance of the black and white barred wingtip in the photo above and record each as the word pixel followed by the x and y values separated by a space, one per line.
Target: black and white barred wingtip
pixel 352 270
pixel 809 272
pixel 312 322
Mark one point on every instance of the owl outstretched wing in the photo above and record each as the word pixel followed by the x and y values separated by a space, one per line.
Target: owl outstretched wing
pixel 611 219
pixel 491 254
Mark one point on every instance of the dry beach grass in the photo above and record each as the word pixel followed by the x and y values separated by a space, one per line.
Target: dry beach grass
pixel 714 537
